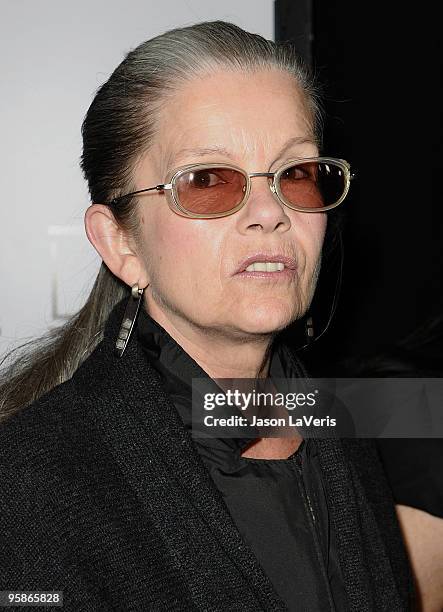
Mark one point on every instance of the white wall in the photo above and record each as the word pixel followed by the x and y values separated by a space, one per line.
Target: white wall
pixel 54 55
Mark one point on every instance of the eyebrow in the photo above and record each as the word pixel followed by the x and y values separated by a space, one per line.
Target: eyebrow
pixel 296 140
pixel 217 150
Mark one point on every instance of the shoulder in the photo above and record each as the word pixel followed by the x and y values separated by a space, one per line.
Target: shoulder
pixel 58 429
pixel 56 475
pixel 44 423
pixel 41 447
pixel 37 429
pixel 46 441
pixel 56 465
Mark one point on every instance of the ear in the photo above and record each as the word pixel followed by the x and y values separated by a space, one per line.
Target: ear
pixel 114 246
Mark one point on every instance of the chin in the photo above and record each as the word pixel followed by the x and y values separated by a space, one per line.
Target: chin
pixel 265 320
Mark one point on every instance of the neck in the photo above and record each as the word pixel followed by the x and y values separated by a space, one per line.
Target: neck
pixel 219 354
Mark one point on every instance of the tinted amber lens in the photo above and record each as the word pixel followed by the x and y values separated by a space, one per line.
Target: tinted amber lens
pixel 313 184
pixel 210 190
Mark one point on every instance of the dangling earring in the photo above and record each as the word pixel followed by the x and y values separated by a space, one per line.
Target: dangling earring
pixel 131 311
pixel 309 330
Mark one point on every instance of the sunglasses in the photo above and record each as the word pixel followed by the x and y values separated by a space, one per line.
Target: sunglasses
pixel 314 184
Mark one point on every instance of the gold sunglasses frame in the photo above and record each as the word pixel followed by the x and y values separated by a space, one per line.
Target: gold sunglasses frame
pixel 171 195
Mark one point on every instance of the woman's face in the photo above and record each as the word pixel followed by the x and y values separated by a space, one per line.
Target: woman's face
pixel 258 122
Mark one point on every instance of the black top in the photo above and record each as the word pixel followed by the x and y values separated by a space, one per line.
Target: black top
pixel 279 506
pixel 104 496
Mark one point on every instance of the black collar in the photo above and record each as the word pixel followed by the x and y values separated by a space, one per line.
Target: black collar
pixel 177 369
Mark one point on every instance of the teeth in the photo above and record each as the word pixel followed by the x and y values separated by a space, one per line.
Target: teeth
pixel 265 266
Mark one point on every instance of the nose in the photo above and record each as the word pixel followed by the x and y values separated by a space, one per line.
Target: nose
pixel 262 211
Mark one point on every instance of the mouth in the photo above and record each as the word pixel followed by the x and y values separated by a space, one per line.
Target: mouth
pixel 265 265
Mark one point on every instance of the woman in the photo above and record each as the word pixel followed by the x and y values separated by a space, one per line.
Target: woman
pixel 205 208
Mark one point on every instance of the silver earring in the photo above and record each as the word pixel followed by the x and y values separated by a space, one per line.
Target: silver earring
pixel 131 311
pixel 309 330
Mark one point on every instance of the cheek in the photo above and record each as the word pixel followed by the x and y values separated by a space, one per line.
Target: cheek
pixel 311 243
pixel 315 233
pixel 309 235
pixel 182 255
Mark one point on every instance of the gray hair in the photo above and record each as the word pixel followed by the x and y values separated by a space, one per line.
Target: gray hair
pixel 117 130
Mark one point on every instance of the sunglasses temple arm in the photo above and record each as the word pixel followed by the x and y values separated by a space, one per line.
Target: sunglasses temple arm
pixel 157 187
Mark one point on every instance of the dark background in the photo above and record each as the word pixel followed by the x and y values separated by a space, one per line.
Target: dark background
pixel 381 68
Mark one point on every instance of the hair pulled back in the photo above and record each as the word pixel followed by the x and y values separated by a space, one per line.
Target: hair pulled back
pixel 117 131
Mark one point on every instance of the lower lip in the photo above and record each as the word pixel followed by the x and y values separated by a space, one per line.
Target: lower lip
pixel 285 274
